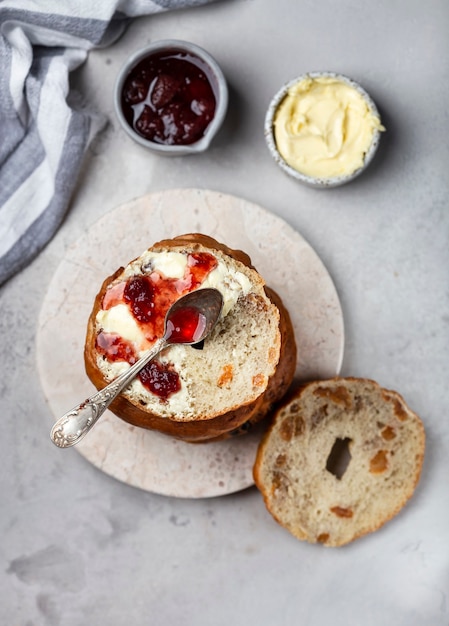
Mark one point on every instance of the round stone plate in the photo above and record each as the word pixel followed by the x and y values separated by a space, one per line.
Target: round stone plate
pixel 147 459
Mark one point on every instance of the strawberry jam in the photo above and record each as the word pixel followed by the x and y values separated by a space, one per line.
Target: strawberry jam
pixel 115 348
pixel 148 298
pixel 161 379
pixel 140 294
pixel 168 98
pixel 186 326
pixel 199 266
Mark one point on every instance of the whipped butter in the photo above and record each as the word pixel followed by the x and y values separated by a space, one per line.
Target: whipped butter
pixel 324 127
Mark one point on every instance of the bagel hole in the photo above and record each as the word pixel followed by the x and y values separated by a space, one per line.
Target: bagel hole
pixel 339 458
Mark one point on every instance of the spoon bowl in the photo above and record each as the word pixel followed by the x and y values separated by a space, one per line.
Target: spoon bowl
pixel 188 321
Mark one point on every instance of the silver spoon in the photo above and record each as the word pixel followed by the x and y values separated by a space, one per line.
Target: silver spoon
pixel 189 320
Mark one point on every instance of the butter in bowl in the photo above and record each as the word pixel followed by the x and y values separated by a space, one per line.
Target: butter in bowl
pixel 323 129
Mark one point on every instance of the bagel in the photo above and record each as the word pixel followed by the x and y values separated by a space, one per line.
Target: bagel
pixel 244 366
pixel 340 458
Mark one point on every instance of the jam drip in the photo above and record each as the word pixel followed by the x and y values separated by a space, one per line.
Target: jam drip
pixel 161 379
pixel 168 98
pixel 148 298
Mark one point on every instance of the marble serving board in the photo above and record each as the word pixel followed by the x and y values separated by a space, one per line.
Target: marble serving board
pixel 146 459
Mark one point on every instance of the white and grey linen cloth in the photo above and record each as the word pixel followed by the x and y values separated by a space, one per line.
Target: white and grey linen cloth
pixel 43 133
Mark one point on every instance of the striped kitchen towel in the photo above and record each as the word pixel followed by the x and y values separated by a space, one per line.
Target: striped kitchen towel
pixel 43 132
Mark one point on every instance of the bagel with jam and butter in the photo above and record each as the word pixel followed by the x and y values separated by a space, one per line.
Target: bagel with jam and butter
pixel 195 393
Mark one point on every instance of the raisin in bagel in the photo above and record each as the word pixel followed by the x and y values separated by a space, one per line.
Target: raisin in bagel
pixel 245 365
pixel 304 487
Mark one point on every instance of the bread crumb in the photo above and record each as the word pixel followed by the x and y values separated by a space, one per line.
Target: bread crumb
pixel 379 462
pixel 399 411
pixel 340 511
pixel 291 426
pixel 258 380
pixel 226 375
pixel 338 395
pixel 388 433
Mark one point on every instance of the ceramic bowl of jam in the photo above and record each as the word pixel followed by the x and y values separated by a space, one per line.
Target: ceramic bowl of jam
pixel 323 129
pixel 171 97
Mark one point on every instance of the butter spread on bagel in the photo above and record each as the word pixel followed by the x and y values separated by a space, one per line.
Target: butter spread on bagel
pixel 116 320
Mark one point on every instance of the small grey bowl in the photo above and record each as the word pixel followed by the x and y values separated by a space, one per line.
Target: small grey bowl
pixel 312 181
pixel 216 78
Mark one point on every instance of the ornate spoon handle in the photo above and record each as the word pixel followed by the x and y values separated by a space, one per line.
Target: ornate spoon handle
pixel 77 422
